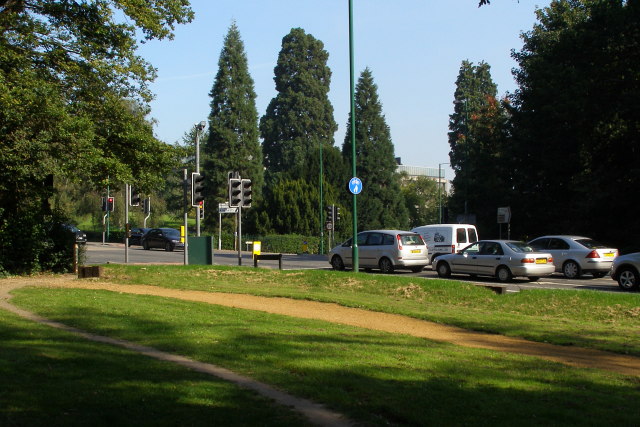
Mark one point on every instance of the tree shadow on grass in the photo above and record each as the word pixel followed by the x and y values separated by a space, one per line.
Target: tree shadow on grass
pixel 373 377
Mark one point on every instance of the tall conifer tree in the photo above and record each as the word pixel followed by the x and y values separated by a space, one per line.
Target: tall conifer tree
pixel 300 117
pixel 476 137
pixel 381 197
pixel 233 143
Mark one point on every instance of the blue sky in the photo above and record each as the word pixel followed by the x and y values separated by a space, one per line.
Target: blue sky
pixel 413 47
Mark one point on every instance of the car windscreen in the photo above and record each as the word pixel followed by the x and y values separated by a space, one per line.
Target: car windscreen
pixel 520 247
pixel 411 239
pixel 591 244
pixel 174 234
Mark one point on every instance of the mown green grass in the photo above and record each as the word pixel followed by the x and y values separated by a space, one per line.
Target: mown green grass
pixel 601 320
pixel 375 378
pixel 52 378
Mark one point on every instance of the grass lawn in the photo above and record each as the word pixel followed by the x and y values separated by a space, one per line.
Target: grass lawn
pixel 51 378
pixel 375 378
pixel 601 320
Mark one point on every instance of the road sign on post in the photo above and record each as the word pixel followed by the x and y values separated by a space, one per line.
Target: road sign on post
pixel 504 215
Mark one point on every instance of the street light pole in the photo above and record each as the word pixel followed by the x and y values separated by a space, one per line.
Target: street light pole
pixel 199 128
pixel 354 241
pixel 439 191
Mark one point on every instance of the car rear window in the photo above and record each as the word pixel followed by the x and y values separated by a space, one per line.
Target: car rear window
pixel 411 239
pixel 520 247
pixel 591 244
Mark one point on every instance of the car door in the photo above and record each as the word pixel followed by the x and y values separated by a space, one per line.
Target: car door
pixel 559 249
pixel 367 249
pixel 464 261
pixel 488 258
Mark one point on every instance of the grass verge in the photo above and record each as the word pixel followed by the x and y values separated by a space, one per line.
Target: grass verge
pixel 591 319
pixel 373 377
pixel 51 378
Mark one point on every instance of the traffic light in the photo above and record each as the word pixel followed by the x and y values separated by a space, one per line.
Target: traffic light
pixel 337 213
pixel 246 193
pixel 146 206
pixel 110 202
pixel 235 192
pixel 197 187
pixel 134 197
pixel 104 204
pixel 330 214
pixel 202 209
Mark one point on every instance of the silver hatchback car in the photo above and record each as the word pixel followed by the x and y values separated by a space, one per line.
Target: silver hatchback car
pixel 575 255
pixel 386 250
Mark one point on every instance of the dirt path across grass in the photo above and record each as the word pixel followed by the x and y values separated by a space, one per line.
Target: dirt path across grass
pixel 574 356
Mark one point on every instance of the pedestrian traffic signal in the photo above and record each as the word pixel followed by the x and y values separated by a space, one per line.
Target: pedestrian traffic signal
pixel 146 206
pixel 246 193
pixel 235 192
pixel 134 197
pixel 197 187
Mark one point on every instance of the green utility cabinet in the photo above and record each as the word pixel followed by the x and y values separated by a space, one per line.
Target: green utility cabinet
pixel 201 250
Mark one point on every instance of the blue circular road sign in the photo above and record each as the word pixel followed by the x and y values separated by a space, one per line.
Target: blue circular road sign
pixel 355 185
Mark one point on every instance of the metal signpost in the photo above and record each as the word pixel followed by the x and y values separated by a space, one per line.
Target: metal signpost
pixel 504 217
pixel 223 208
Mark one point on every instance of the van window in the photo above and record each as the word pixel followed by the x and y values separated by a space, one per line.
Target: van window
pixel 461 235
pixel 388 239
pixel 473 236
pixel 362 239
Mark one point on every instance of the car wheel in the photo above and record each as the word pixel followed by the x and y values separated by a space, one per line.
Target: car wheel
pixel 533 278
pixel 145 245
pixel 504 274
pixel 168 247
pixel 336 263
pixel 628 279
pixel 443 269
pixel 571 270
pixel 417 269
pixel 385 265
pixel 598 274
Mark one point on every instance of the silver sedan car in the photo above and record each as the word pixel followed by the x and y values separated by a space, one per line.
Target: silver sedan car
pixel 625 270
pixel 575 255
pixel 502 259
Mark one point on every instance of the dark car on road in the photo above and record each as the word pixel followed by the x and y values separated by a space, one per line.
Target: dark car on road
pixel 135 238
pixel 81 236
pixel 162 238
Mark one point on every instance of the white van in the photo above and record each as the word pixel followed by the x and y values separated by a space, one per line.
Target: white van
pixel 444 239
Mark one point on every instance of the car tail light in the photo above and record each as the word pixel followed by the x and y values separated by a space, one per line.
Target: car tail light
pixel 453 249
pixel 593 254
pixel 399 241
pixel 528 260
pixel 550 260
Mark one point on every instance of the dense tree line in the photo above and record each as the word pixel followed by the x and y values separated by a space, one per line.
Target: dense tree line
pixel 564 151
pixel 73 105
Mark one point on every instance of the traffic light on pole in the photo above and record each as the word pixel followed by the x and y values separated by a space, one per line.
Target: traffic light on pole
pixel 197 187
pixel 235 192
pixel 246 193
pixel 134 197
pixel 337 213
pixel 110 203
pixel 330 214
pixel 104 204
pixel 146 206
pixel 202 209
